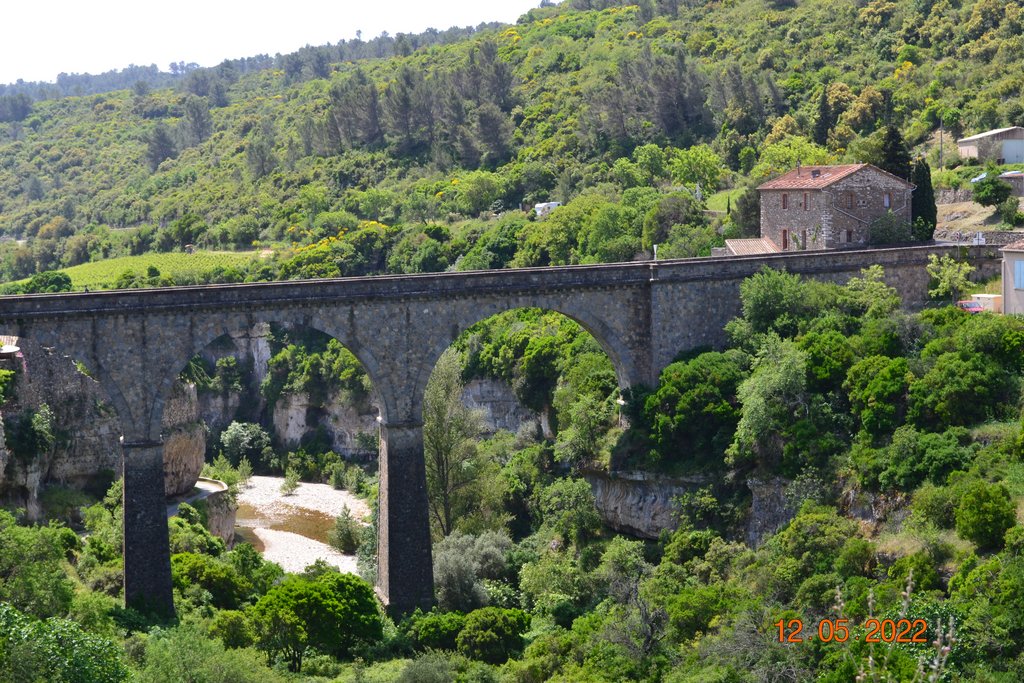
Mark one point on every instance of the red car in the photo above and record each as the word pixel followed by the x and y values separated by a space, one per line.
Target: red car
pixel 970 306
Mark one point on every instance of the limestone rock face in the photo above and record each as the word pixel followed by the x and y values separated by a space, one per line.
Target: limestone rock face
pixel 218 410
pixel 184 440
pixel 499 404
pixel 86 451
pixel 639 503
pixel 352 433
pixel 250 347
pixel 770 508
pixel 86 429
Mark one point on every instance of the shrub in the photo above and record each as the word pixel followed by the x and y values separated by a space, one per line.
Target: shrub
pixel 6 384
pixel 186 653
pixel 889 229
pixel 992 191
pixel 226 587
pixel 856 558
pixel 934 504
pixel 462 561
pixel 347 532
pixel 818 593
pixel 492 634
pixel 435 630
pixel 188 535
pixel 925 576
pixel 244 440
pixel 984 514
pixel 32 578
pixel 290 483
pixel 569 510
pixel 55 650
pixel 48 282
pixel 443 667
pixel 1009 211
pixel 232 627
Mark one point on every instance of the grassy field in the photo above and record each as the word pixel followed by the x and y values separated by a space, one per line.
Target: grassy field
pixel 719 200
pixel 101 274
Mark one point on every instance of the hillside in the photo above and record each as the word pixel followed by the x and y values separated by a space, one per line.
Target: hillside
pixel 592 104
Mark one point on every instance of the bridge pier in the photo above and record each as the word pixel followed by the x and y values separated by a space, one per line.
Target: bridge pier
pixel 147 553
pixel 405 570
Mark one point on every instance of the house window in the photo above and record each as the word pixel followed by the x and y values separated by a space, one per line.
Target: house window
pixel 846 201
pixel 1018 274
pixel 785 238
pixel 887 200
pixel 849 236
pixel 785 200
pixel 803 239
pixel 807 201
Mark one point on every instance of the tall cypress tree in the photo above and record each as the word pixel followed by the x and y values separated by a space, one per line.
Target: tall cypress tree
pixel 922 204
pixel 824 123
pixel 895 154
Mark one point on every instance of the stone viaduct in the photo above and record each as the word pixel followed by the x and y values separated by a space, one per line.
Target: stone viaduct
pixel 135 342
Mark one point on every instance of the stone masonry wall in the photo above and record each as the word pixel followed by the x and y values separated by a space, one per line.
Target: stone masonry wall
pixel 825 221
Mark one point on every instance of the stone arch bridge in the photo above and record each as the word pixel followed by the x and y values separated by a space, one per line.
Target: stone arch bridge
pixel 135 342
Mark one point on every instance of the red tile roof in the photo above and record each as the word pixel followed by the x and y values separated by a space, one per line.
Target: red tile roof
pixel 751 247
pixel 804 178
pixel 1012 246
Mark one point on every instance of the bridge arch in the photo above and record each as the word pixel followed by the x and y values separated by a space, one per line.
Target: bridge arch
pixel 615 334
pixel 204 332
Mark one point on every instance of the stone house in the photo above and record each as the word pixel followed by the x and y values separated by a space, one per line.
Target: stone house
pixel 1016 180
pixel 1013 278
pixel 1002 145
pixel 830 207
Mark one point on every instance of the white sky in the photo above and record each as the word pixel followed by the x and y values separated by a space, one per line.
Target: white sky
pixel 42 38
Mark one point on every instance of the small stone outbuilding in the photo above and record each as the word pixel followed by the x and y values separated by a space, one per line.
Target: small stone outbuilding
pixel 1015 179
pixel 830 207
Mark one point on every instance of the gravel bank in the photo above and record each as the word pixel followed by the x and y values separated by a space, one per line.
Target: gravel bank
pixel 291 550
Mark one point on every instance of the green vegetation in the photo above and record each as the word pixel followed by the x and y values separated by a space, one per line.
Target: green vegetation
pixel 829 391
pixel 888 444
pixel 154 270
pixel 418 162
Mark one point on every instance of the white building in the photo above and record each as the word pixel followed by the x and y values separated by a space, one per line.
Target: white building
pixel 1002 145
pixel 544 208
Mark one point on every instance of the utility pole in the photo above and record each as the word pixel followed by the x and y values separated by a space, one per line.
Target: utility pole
pixel 940 145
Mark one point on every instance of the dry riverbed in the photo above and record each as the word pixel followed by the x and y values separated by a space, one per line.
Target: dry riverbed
pixel 292 530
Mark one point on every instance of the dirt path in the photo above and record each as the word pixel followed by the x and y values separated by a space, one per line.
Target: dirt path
pixel 292 530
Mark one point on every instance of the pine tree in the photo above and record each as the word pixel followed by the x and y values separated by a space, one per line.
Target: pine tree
pixel 159 146
pixel 922 205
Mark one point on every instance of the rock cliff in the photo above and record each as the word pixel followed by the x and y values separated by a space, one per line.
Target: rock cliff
pixel 352 433
pixel 184 440
pixel 770 508
pixel 85 451
pixel 639 503
pixel 251 348
pixel 499 404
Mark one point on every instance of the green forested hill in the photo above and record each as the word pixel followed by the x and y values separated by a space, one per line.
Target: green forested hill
pixel 578 99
